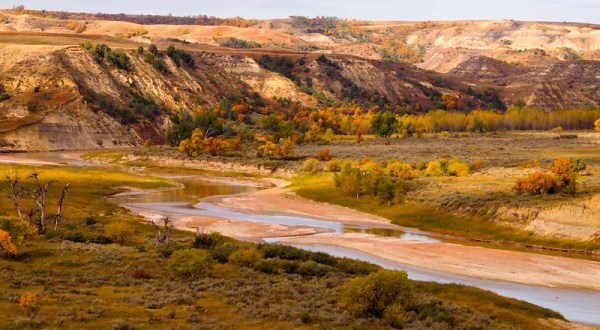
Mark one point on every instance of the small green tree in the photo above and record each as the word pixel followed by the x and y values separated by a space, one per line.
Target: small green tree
pixel 386 191
pixel 190 263
pixel 384 124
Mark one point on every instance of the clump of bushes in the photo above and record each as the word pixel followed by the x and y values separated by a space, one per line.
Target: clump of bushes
pixel 208 241
pixel 103 52
pixel 240 43
pixel 563 180
pixel 181 57
pixel 442 167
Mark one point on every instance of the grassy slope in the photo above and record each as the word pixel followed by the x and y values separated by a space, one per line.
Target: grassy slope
pixel 321 188
pixel 93 285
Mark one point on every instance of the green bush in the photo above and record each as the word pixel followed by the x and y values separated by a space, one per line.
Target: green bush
pixel 222 252
pixel 245 257
pixel 166 250
pixel 190 263
pixel 208 241
pixel 374 294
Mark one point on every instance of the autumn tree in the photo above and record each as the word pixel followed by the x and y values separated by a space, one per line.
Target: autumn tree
pixel 359 136
pixel 400 170
pixel 286 148
pixel 164 231
pixel 39 196
pixel 597 125
pixel 564 175
pixel 16 192
pixel 269 149
pixel 535 184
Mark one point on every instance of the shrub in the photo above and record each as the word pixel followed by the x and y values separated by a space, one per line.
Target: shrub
pixel 597 125
pixel 282 252
pixel 400 170
pixel 578 165
pixel 311 268
pixel 374 294
pixel 334 165
pixel 535 184
pixel 208 241
pixel 356 267
pixel 18 229
pixel 119 232
pixel 324 155
pixel 7 248
pixel 245 258
pixel 458 168
pixel 269 266
pixel 28 301
pixel 180 56
pixel 477 165
pixel 166 250
pixel 530 163
pixel 436 168
pixel 311 165
pixel 90 220
pixel 190 263
pixel 222 252
pixel 565 178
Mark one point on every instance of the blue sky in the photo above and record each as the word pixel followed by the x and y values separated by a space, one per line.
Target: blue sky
pixel 587 11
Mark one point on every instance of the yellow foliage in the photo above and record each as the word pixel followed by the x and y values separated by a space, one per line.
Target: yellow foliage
pixel 119 232
pixel 400 170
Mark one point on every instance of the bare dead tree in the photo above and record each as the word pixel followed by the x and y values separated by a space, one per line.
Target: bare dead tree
pixel 39 197
pixel 163 233
pixel 16 193
pixel 60 203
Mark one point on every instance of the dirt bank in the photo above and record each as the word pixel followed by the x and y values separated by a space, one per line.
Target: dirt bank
pixel 501 265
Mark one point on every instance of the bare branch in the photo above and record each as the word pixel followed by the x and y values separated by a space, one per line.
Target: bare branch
pixel 60 203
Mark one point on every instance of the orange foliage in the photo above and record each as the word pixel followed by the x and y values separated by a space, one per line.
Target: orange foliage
pixel 7 248
pixel 535 184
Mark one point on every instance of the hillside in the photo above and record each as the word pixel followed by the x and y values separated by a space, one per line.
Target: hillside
pixel 51 85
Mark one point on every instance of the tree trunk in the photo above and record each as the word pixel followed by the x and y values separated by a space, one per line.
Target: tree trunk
pixel 60 203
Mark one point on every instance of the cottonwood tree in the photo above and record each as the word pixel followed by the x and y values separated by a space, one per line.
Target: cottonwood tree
pixel 163 233
pixel 58 215
pixel 16 193
pixel 38 195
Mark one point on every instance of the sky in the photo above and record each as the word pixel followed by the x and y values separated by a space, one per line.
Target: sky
pixel 585 11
